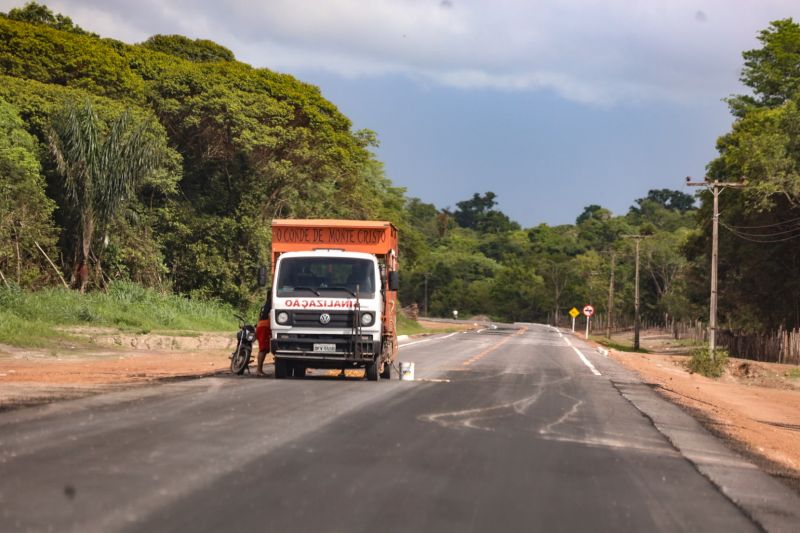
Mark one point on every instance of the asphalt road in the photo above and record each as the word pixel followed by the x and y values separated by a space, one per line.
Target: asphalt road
pixel 510 429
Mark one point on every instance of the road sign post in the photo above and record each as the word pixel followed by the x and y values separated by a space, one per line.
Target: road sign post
pixel 588 311
pixel 574 314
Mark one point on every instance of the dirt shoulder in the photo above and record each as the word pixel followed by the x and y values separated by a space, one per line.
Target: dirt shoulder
pixel 441 326
pixel 96 360
pixel 755 406
pixel 99 360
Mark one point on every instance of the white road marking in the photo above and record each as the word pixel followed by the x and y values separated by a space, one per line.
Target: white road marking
pixel 583 358
pixel 429 340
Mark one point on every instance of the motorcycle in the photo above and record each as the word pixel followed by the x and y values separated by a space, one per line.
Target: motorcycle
pixel 242 356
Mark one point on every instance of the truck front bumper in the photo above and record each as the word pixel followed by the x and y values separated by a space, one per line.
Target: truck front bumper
pixel 347 348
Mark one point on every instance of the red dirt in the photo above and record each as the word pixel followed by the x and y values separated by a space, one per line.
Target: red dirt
pixel 31 376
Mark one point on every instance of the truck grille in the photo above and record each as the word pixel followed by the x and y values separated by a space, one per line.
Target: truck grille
pixel 289 344
pixel 311 319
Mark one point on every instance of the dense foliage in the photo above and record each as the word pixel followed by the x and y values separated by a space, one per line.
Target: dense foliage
pixel 237 146
pixel 759 257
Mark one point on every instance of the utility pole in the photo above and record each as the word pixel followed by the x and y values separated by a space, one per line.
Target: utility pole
pixel 610 307
pixel 637 322
pixel 715 187
pixel 426 294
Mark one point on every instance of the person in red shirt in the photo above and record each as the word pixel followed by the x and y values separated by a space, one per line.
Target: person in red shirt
pixel 263 333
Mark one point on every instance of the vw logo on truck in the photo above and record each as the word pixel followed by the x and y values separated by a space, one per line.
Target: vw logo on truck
pixel 324 318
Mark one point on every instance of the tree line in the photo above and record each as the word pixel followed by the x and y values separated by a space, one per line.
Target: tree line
pixel 163 163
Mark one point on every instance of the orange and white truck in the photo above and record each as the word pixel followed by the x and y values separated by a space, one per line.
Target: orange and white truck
pixel 334 296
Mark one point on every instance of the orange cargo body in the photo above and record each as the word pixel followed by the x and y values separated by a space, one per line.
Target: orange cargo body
pixel 373 237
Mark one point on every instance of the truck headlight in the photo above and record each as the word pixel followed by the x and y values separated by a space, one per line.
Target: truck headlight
pixel 282 317
pixel 367 319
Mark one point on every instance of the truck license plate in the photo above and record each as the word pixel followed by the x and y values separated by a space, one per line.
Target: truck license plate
pixel 324 347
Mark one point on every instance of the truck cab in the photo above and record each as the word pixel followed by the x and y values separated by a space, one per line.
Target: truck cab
pixel 334 298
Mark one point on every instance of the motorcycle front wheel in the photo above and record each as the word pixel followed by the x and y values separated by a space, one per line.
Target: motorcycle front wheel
pixel 240 359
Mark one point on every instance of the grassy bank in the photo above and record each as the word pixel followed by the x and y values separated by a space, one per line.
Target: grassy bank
pixel 32 318
pixel 619 346
pixel 406 326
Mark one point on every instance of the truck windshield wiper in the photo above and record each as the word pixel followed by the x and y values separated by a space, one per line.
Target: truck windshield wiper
pixel 306 289
pixel 339 288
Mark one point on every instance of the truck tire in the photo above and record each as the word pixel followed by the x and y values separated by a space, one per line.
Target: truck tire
pixel 281 369
pixel 372 372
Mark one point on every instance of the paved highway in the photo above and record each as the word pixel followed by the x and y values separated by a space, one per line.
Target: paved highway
pixel 518 428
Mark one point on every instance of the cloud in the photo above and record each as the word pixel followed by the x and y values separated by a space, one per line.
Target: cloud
pixel 592 51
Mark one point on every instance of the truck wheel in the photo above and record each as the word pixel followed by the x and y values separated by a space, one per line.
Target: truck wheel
pixel 281 369
pixel 387 370
pixel 372 372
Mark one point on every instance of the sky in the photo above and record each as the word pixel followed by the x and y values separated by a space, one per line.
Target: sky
pixel 552 105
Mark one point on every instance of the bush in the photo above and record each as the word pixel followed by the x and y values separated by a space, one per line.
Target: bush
pixel 702 363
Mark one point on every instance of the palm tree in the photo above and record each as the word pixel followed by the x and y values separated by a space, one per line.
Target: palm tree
pixel 101 168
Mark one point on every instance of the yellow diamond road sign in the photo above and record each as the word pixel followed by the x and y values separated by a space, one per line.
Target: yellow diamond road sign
pixel 574 312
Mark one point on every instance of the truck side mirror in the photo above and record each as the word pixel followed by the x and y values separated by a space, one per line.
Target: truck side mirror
pixel 394 280
pixel 262 276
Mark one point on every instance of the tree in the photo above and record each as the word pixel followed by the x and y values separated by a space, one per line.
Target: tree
pixel 478 213
pixel 593 212
pixel 200 50
pixel 663 209
pixel 668 199
pixel 34 13
pixel 771 71
pixel 101 170
pixel 423 217
pixel 598 229
pixel 663 259
pixel 758 242
pixel 25 210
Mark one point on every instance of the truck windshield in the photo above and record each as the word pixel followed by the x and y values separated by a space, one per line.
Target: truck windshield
pixel 326 276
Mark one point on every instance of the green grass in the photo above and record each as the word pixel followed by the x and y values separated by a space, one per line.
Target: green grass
pixel 608 343
pixel 406 326
pixel 691 343
pixel 32 318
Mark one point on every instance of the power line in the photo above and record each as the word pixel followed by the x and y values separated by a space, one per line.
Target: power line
pixel 759 239
pixel 736 229
pixel 769 225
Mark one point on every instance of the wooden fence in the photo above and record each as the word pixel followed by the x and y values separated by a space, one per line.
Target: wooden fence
pixel 782 346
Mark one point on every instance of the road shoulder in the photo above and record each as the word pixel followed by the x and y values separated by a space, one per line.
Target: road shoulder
pixel 768 501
